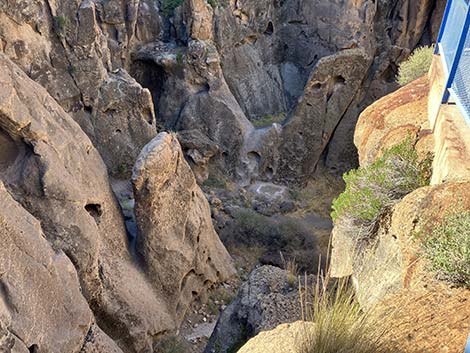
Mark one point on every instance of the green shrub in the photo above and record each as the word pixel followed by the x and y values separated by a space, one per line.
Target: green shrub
pixel 169 6
pixel 275 235
pixel 59 25
pixel 179 58
pixel 268 120
pixel 172 344
pixel 371 189
pixel 415 66
pixel 218 3
pixel 215 182
pixel 447 249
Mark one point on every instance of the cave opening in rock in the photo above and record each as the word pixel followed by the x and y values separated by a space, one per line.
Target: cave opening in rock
pixel 95 211
pixel 33 349
pixel 152 77
pixel 9 150
pixel 269 29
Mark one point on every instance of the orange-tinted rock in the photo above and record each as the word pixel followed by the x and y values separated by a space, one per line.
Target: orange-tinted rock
pixel 391 119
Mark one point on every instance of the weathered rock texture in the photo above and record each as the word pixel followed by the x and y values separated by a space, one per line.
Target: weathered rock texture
pixel 40 301
pixel 60 45
pixel 425 315
pixel 213 69
pixel 54 171
pixel 181 251
pixel 393 118
pixel 51 168
pixel 265 301
pixel 285 338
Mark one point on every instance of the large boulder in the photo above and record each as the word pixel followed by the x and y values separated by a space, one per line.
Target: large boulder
pixel 394 117
pixel 52 169
pixel 265 301
pixel 330 90
pixel 182 254
pixel 285 338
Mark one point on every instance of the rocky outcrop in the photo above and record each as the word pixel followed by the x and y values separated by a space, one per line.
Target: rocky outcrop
pixel 331 88
pixel 393 118
pixel 181 251
pixel 283 339
pixel 215 67
pixel 265 301
pixel 37 285
pixel 389 272
pixel 61 46
pixel 57 175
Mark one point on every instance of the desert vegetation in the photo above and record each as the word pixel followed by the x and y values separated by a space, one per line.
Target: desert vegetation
pixel 447 249
pixel 268 120
pixel 169 6
pixel 371 189
pixel 341 325
pixel 416 65
pixel 286 238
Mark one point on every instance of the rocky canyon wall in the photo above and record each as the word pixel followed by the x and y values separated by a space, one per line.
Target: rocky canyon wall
pixel 216 68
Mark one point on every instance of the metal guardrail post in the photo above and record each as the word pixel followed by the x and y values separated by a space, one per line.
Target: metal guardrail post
pixel 458 54
pixel 443 25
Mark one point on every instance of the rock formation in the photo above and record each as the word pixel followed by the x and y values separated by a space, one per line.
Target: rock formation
pixel 84 87
pixel 181 251
pixel 283 339
pixel 389 272
pixel 263 302
pixel 52 169
pixel 215 68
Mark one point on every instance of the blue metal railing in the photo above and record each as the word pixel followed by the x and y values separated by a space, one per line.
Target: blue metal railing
pixel 453 45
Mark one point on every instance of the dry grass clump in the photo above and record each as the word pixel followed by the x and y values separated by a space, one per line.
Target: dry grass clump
pixel 341 325
pixel 292 269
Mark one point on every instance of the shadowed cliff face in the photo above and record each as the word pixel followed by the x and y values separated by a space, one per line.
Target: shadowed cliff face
pixel 213 69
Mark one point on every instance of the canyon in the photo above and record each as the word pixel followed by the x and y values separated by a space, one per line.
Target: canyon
pixel 132 133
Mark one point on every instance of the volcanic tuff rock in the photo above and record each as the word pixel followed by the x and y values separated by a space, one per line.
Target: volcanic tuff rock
pixel 37 287
pixel 61 46
pixel 389 270
pixel 181 251
pixel 285 338
pixel 215 68
pixel 52 169
pixel 263 302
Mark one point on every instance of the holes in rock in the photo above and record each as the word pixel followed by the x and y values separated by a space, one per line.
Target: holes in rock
pixel 334 84
pixel 194 293
pixel 270 29
pixel 118 131
pixel 253 161
pixel 95 211
pixel 339 80
pixel 34 348
pixel 269 172
pixel 88 109
pixel 316 86
pixel 9 150
pixel 150 118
